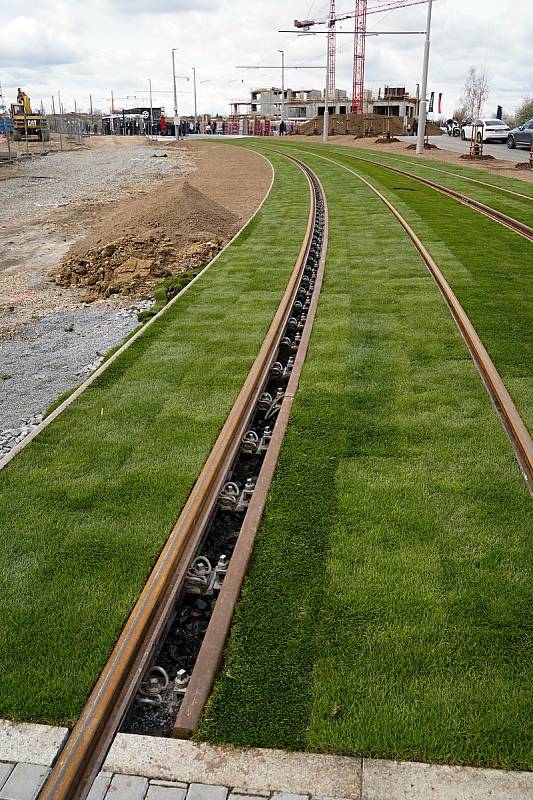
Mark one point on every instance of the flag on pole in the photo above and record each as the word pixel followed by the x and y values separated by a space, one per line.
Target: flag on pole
pixel 499 112
pixel 439 109
pixel 431 100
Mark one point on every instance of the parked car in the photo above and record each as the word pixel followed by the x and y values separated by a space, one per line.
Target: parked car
pixel 521 135
pixel 487 129
pixel 453 128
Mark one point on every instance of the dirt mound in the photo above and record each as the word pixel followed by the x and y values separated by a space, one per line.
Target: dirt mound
pixel 387 140
pixel 523 165
pixel 147 238
pixel 468 157
pixel 427 146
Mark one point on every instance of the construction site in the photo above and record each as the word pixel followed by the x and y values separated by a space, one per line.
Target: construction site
pixel 266 405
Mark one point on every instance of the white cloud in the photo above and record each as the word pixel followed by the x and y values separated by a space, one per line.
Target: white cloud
pixel 116 45
pixel 26 42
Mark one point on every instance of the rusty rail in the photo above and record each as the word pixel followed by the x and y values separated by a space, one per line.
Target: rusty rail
pixel 512 421
pixel 85 750
pixel 498 216
pixel 212 649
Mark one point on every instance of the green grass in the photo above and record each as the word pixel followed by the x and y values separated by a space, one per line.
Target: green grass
pixel 489 268
pixel 386 611
pixel 86 507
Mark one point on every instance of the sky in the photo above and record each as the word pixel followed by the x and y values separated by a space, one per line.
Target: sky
pixel 99 46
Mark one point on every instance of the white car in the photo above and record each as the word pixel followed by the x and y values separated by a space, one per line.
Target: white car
pixel 486 129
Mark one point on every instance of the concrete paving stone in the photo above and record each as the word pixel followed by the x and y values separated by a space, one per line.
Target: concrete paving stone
pixel 127 787
pixel 281 796
pixel 25 782
pixel 100 786
pixel 394 780
pixel 173 784
pixel 165 793
pixel 249 796
pixel 29 743
pixel 272 770
pixel 237 790
pixel 5 771
pixel 202 791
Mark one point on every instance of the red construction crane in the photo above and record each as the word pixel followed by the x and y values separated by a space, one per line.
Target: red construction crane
pixel 359 16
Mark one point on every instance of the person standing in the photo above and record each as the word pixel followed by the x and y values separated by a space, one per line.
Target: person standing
pixel 282 128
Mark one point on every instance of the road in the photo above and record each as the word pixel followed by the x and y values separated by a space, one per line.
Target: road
pixel 458 146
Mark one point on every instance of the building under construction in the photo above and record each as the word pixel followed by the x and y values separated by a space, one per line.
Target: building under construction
pixel 301 105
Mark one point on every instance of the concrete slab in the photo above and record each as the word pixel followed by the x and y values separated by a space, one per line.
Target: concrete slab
pixel 241 791
pixel 158 792
pixel 127 787
pixel 24 783
pixel 5 772
pixel 271 770
pixel 100 786
pixel 394 780
pixel 201 791
pixel 33 744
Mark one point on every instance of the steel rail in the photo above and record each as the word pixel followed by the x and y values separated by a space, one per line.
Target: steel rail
pixel 498 216
pixel 85 750
pixel 512 421
pixel 401 160
pixel 212 650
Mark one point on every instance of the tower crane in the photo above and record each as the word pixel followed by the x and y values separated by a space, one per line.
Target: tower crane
pixel 359 16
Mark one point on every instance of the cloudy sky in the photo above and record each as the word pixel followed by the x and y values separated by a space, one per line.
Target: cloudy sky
pixel 99 46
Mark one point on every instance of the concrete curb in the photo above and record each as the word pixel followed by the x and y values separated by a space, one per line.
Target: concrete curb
pixel 33 744
pixel 96 374
pixel 258 769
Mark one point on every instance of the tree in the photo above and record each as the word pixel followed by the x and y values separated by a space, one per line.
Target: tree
pixel 460 114
pixel 475 93
pixel 525 111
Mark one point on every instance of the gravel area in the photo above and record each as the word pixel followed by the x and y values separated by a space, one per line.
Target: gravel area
pixel 53 355
pixel 100 174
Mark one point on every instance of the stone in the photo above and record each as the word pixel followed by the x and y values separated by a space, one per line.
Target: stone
pixel 127 787
pixel 30 743
pixel 100 786
pixel 159 792
pixel 5 771
pixel 25 782
pixel 203 791
pixel 396 780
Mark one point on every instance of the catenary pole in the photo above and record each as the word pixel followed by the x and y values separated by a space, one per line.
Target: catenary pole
pixel 176 116
pixel 282 84
pixel 195 104
pixel 423 89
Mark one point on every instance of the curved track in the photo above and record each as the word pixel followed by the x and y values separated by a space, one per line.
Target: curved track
pixel 87 745
pixel 498 216
pixel 455 175
pixel 512 421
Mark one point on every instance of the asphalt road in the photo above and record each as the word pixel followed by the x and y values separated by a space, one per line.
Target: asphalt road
pixel 455 144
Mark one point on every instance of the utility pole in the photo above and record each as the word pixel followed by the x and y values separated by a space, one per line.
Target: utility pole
pixel 282 84
pixel 60 122
pixel 6 132
pixel 91 105
pixel 195 105
pixel 176 115
pixel 423 90
pixel 151 108
pixel 111 122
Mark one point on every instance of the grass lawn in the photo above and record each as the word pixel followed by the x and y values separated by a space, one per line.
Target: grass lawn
pixel 87 506
pixel 516 207
pixel 489 268
pixel 386 612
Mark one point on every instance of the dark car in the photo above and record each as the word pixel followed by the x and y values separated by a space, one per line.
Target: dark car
pixel 521 135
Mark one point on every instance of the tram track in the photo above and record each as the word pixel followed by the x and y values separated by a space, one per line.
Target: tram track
pixel 513 423
pixel 498 216
pixel 266 395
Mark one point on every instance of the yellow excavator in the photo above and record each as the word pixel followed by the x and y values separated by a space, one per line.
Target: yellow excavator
pixel 26 123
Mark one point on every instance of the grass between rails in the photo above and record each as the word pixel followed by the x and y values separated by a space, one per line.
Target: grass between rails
pixel 386 610
pixel 87 506
pixel 489 267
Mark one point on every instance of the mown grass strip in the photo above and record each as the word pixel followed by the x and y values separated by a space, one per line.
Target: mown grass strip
pixel 516 207
pixel 386 609
pixel 87 506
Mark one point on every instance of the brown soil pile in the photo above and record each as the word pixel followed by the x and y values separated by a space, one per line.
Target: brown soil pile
pixel 146 238
pixel 385 140
pixel 468 157
pixel 427 146
pixel 523 165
